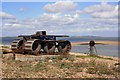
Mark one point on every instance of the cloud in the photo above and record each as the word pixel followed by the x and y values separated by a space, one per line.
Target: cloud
pixel 11 24
pixel 102 18
pixel 60 6
pixel 23 9
pixel 104 6
pixel 60 24
pixel 58 19
pixel 4 15
pixel 7 19
pixel 103 10
pixel 105 14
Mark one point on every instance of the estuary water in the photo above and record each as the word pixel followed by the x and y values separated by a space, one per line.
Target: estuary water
pixel 107 50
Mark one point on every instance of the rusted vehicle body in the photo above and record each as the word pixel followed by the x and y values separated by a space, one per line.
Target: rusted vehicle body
pixel 40 43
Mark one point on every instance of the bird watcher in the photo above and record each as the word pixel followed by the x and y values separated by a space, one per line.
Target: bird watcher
pixel 92 47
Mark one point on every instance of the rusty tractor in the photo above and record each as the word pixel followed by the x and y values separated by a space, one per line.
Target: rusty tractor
pixel 40 43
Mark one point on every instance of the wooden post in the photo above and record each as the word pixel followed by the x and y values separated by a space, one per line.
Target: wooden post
pixel 91 49
pixel 14 56
pixel 92 46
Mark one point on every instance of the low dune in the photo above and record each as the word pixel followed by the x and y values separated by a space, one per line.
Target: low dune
pixel 97 43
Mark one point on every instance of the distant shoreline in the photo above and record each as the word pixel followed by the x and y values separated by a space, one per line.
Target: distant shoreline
pixel 97 42
pixel 7 48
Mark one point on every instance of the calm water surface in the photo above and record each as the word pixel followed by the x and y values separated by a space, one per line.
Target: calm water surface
pixel 108 50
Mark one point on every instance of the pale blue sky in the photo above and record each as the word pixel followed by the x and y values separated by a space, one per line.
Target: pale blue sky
pixel 35 9
pixel 85 23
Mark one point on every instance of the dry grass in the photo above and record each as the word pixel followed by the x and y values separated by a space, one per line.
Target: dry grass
pixel 64 66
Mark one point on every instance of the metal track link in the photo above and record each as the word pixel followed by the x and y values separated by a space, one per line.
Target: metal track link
pixel 32 46
pixel 16 45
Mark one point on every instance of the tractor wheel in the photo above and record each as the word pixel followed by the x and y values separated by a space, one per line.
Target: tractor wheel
pixel 49 47
pixel 17 46
pixel 64 47
pixel 33 46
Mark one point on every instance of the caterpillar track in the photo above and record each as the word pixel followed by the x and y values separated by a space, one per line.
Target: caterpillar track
pixel 41 43
pixel 17 45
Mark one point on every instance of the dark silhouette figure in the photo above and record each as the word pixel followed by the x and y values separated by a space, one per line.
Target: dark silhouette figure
pixel 92 47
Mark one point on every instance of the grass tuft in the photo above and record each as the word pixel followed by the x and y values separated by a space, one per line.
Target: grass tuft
pixel 40 66
pixel 93 56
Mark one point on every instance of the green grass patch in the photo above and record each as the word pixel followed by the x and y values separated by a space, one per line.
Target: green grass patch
pixel 61 57
pixel 40 66
pixel 5 47
pixel 99 68
pixel 93 56
pixel 65 65
pixel 108 58
pixel 26 68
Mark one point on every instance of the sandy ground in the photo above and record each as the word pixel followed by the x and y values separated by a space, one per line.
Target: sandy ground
pixel 75 65
pixel 28 57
